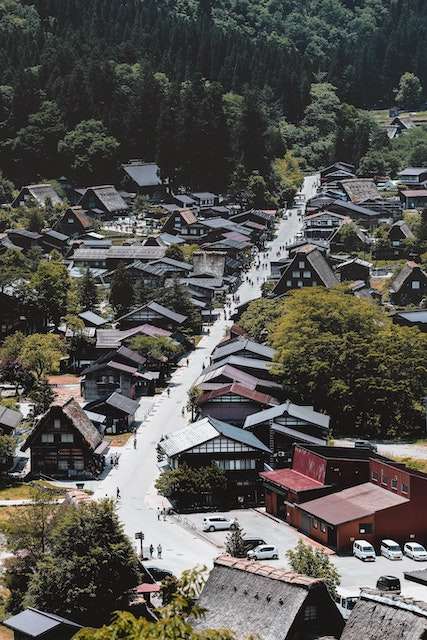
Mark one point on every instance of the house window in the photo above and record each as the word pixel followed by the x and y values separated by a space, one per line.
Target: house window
pixel 374 475
pixel 300 283
pixel 63 465
pixel 307 274
pixel 396 243
pixel 289 283
pixel 315 523
pixel 416 284
pixel 79 464
pixel 310 613
pixel 404 488
pixel 301 265
pixel 384 481
pixel 295 274
pixel 366 527
pixel 323 527
pixel 57 423
pixel 67 437
pixel 394 484
pixel 236 465
pixel 70 220
pixel 48 438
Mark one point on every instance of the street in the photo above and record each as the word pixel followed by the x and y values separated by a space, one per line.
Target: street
pixel 162 414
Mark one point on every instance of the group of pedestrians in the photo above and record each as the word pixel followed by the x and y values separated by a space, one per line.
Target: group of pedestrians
pixel 159 550
pixel 114 460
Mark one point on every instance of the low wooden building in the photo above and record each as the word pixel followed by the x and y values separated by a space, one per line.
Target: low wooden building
pixel 153 313
pixel 74 223
pixel 259 601
pixel 233 403
pixel 308 268
pixel 119 411
pixel 65 443
pixel 237 452
pixel 409 286
pixel 103 201
pixel 354 270
pixel 38 195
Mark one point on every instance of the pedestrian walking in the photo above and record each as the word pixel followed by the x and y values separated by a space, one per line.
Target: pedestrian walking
pixel 159 551
pixel 118 493
pixel 134 441
pixel 188 362
pixel 158 513
pixel 151 550
pixel 168 391
pixel 183 411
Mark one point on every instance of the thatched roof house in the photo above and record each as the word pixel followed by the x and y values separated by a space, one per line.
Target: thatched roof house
pixel 251 599
pixel 379 616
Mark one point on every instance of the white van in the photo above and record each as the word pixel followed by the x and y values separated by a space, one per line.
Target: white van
pixel 364 550
pixel 391 550
pixel 218 523
pixel 346 601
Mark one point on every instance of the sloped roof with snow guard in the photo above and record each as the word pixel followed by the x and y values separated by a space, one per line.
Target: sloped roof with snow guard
pixel 204 430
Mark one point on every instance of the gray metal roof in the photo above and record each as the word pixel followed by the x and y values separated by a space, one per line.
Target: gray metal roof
pixel 9 417
pixel 144 174
pixel 36 623
pixel 414 316
pixel 413 171
pixel 298 436
pixel 242 344
pixel 296 411
pixel 204 430
pixel 93 318
pixel 240 361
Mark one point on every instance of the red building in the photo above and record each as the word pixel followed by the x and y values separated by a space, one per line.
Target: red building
pixel 390 505
pixel 316 471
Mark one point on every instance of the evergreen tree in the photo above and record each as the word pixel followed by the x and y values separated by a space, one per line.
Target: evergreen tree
pixel 121 291
pixel 88 294
pixel 235 543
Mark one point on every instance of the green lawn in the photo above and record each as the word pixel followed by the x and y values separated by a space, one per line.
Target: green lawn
pixel 21 491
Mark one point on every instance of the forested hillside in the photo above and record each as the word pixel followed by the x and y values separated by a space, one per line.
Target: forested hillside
pixel 200 85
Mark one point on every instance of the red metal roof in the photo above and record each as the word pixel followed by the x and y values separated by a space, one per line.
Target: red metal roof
pixel 290 479
pixel 415 193
pixel 240 390
pixel 353 503
pixel 146 587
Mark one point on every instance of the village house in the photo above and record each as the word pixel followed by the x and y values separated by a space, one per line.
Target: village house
pixel 38 195
pixel 323 224
pixel 413 176
pixel 118 410
pixel 413 199
pixel 102 378
pixel 337 171
pixel 183 201
pixel 409 286
pixel 65 443
pixel 362 215
pixel 54 240
pixel 74 223
pixel 183 223
pixel 308 268
pixel 257 600
pixel 398 235
pixel 218 377
pixel 152 313
pixel 354 270
pixel 315 471
pixel 360 240
pixel 358 190
pixel 390 504
pixel 237 452
pixel 103 201
pixel 281 426
pixel 233 403
pixel 205 199
pixel 155 274
pixel 145 179
pixel 24 239
pixel 378 615
pixel 32 623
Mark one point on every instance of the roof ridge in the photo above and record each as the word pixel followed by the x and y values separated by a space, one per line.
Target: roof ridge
pixel 249 566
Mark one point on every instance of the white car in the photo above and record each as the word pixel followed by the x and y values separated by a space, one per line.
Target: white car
pixel 264 552
pixel 364 551
pixel 218 523
pixel 415 551
pixel 391 550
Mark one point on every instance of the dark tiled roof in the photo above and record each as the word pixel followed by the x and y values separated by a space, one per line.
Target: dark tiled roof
pixel 239 390
pixel 144 174
pixel 36 624
pixel 9 418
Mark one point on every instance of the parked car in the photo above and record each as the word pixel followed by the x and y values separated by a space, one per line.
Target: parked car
pixel 389 583
pixel 218 523
pixel 415 551
pixel 346 600
pixel 159 574
pixel 264 552
pixel 364 444
pixel 251 543
pixel 391 550
pixel 364 551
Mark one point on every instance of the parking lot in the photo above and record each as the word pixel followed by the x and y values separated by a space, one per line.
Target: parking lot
pixel 354 573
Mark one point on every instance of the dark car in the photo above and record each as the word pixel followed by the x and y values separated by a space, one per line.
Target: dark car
pixel 364 444
pixel 391 584
pixel 158 573
pixel 251 543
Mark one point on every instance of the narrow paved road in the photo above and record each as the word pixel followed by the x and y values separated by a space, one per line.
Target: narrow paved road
pixel 138 469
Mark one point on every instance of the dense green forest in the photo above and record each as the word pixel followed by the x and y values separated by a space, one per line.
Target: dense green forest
pixel 206 87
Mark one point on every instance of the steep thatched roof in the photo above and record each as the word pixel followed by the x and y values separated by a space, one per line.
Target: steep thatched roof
pixel 378 616
pixel 251 599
